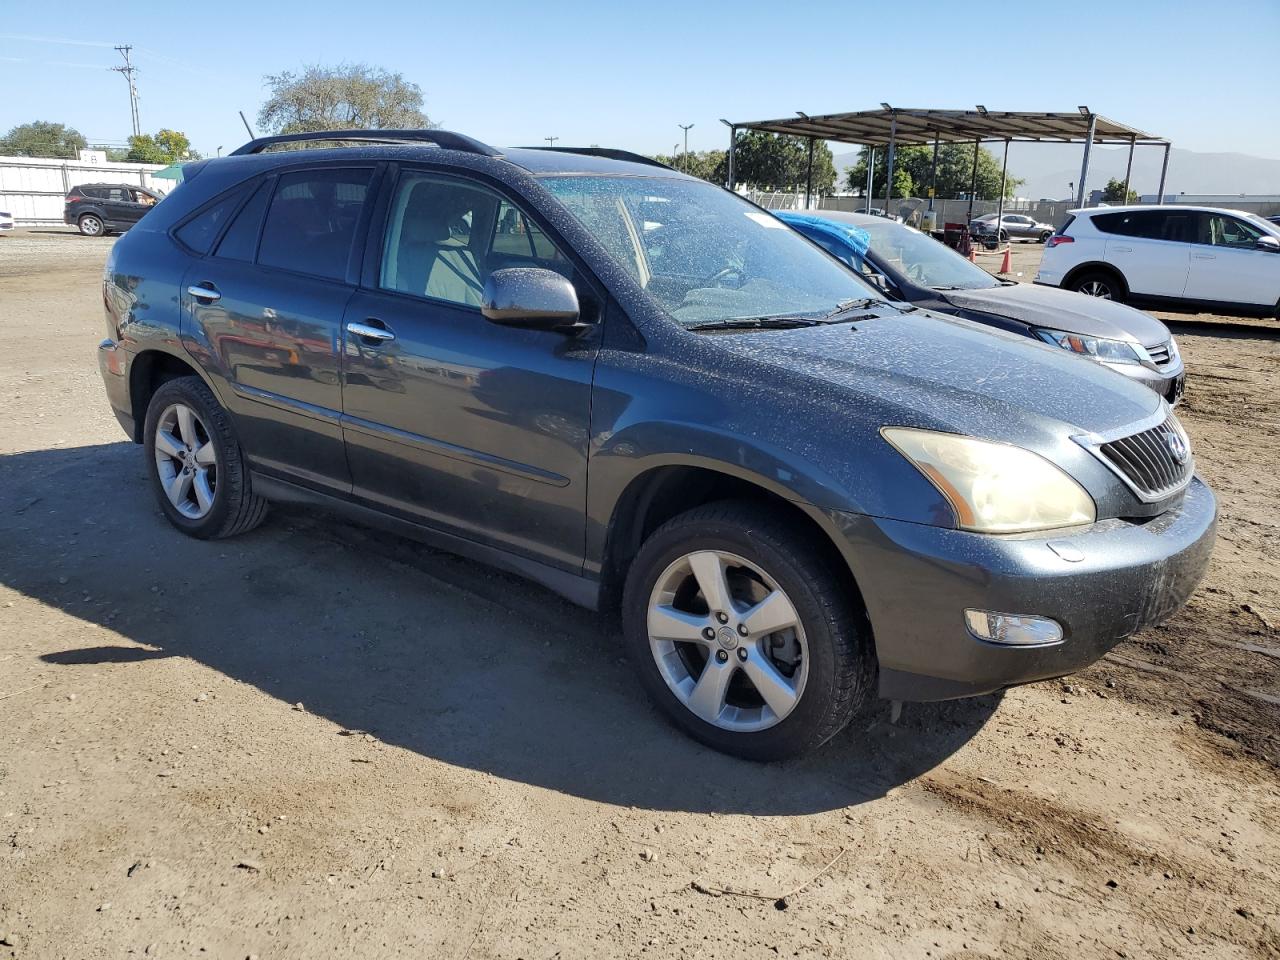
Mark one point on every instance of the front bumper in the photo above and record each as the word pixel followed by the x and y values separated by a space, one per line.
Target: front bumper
pixel 1169 381
pixel 917 581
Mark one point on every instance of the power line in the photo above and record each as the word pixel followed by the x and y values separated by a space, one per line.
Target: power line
pixel 128 70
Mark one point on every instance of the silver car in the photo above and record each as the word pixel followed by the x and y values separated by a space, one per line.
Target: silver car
pixel 1013 226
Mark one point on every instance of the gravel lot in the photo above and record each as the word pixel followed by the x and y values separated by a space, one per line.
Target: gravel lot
pixel 317 740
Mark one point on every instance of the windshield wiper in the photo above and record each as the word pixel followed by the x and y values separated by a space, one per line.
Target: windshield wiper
pixel 862 303
pixel 755 323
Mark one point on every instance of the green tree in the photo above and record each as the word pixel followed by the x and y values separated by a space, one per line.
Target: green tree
pixel 42 139
pixel 1114 192
pixel 348 96
pixel 911 169
pixel 712 165
pixel 167 146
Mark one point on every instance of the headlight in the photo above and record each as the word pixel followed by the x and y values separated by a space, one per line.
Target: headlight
pixel 994 487
pixel 1108 351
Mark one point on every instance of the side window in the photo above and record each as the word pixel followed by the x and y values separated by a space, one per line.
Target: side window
pixel 200 231
pixel 119 194
pixel 1222 230
pixel 444 237
pixel 240 242
pixel 833 248
pixel 312 220
pixel 1147 224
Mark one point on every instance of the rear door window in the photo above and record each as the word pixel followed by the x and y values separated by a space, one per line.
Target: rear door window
pixel 240 242
pixel 1147 224
pixel 198 233
pixel 312 221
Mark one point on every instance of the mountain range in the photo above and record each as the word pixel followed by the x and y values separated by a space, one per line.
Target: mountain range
pixel 1047 168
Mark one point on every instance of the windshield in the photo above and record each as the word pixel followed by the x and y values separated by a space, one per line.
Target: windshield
pixel 923 259
pixel 704 254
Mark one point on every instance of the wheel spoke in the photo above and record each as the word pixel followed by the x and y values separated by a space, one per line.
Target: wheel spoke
pixel 708 570
pixel 770 615
pixel 204 493
pixel 187 426
pixel 668 623
pixel 167 444
pixel 206 456
pixel 774 688
pixel 707 698
pixel 178 488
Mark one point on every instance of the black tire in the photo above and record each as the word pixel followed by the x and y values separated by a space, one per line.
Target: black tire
pixel 91 225
pixel 842 666
pixel 1044 237
pixel 1004 236
pixel 1099 283
pixel 236 509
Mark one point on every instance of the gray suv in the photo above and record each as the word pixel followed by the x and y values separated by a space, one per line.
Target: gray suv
pixel 656 399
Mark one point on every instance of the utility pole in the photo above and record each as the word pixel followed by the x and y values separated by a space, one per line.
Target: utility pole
pixel 551 140
pixel 686 128
pixel 128 70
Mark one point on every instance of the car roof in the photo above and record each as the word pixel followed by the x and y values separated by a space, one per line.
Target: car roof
pixel 535 160
pixel 1136 207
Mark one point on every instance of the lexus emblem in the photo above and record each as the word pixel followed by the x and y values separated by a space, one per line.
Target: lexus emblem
pixel 1177 447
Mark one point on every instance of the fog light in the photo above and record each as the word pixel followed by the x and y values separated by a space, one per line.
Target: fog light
pixel 1011 629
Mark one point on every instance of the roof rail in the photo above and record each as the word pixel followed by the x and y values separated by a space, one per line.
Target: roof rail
pixel 609 153
pixel 441 138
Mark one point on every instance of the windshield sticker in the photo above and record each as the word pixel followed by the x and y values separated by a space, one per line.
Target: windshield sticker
pixel 766 219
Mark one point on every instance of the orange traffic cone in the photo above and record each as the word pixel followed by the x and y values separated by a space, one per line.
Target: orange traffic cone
pixel 1006 264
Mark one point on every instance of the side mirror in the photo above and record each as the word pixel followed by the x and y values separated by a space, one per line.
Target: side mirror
pixel 1268 244
pixel 531 298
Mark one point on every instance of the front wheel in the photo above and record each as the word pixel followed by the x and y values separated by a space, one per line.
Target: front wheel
pixel 1044 237
pixel 91 225
pixel 197 469
pixel 744 635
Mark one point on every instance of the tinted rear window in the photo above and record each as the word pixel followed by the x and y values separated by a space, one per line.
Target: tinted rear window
pixel 312 221
pixel 200 231
pixel 240 242
pixel 1147 224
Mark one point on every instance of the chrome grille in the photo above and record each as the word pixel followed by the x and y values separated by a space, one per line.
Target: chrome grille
pixel 1154 463
pixel 1161 353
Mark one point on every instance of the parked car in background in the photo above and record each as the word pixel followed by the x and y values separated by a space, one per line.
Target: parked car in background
pixel 102 208
pixel 879 212
pixel 1203 257
pixel 801 494
pixel 911 266
pixel 6 220
pixel 1013 226
pixel 1275 220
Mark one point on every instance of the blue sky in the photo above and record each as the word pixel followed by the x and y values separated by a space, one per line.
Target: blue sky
pixel 625 75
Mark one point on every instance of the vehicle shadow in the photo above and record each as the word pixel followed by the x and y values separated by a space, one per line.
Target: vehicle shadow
pixel 424 650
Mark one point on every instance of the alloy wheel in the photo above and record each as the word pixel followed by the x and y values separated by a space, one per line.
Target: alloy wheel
pixel 727 641
pixel 186 461
pixel 90 226
pixel 1096 288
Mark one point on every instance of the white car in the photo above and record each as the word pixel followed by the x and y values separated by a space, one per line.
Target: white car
pixel 6 220
pixel 1199 256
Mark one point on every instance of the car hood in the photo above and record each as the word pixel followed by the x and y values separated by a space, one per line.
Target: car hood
pixel 928 370
pixel 1063 310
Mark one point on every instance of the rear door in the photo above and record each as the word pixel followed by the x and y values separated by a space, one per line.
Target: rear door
pixel 119 205
pixel 1226 265
pixel 450 420
pixel 1150 247
pixel 278 281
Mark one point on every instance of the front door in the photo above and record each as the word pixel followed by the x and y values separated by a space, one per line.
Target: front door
pixel 453 421
pixel 269 327
pixel 1226 265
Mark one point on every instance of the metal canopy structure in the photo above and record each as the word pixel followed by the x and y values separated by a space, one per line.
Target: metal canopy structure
pixel 891 126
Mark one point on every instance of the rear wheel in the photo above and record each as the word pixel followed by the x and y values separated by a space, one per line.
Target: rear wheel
pixel 743 635
pixel 197 470
pixel 1044 237
pixel 91 225
pixel 1100 284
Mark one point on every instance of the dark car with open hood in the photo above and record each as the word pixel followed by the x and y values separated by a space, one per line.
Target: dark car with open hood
pixel 657 400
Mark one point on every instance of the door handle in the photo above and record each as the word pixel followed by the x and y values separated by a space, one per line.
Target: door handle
pixel 204 293
pixel 1205 256
pixel 370 332
pixel 1123 249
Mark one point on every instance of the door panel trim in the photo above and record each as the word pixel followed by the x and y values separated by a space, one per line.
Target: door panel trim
pixel 452 451
pixel 315 412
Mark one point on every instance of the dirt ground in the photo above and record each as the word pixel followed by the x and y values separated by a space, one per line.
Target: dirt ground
pixel 316 740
